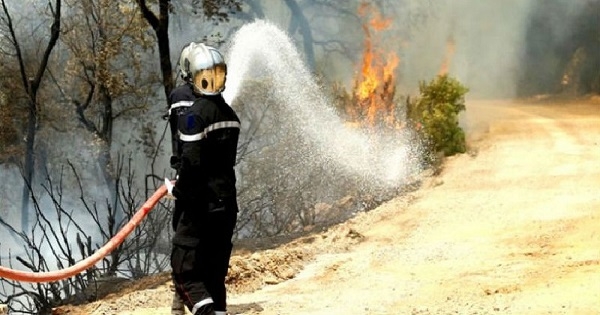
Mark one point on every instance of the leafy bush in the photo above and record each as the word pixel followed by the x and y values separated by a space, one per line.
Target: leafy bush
pixel 435 116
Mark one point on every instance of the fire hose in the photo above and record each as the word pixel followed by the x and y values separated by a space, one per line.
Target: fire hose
pixel 114 242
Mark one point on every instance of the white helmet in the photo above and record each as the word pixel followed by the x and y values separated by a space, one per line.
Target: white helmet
pixel 205 67
pixel 184 63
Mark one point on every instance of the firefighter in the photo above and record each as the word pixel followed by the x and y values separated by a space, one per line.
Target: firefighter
pixel 207 136
pixel 179 100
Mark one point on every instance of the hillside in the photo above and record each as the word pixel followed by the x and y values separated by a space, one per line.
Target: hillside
pixel 509 228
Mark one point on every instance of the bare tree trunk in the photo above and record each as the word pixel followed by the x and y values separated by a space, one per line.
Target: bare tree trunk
pixel 300 20
pixel 31 86
pixel 29 166
pixel 160 24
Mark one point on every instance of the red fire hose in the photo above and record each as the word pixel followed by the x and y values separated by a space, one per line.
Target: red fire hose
pixel 26 276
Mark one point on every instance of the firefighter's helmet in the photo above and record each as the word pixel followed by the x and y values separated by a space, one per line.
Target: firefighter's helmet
pixel 206 68
pixel 184 62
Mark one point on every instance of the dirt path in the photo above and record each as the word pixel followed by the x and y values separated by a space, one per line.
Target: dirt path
pixel 512 228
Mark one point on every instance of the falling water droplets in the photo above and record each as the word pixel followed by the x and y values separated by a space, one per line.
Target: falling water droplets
pixel 261 50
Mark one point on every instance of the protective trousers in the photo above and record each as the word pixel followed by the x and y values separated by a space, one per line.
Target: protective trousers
pixel 199 271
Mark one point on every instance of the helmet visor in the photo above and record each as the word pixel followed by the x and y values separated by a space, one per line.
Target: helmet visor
pixel 211 81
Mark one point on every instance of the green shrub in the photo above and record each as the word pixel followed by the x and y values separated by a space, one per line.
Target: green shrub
pixel 435 116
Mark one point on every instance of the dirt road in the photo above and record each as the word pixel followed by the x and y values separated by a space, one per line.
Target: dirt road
pixel 511 228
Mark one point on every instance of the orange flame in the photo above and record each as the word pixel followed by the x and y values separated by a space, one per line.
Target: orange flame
pixel 450 48
pixel 375 85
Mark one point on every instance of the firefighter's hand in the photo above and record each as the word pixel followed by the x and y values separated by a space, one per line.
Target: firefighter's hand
pixel 169 184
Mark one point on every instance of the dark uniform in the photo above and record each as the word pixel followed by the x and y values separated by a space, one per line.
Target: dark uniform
pixel 180 99
pixel 207 138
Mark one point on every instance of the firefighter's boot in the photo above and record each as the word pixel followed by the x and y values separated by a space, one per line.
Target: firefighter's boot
pixel 177 306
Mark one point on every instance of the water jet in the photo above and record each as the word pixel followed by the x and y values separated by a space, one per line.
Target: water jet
pixel 261 51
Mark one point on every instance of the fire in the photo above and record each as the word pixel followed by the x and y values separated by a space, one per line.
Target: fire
pixel 450 48
pixel 375 84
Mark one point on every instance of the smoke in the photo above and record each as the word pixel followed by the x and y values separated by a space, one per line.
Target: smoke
pixel 487 36
pixel 492 40
pixel 499 46
pixel 563 49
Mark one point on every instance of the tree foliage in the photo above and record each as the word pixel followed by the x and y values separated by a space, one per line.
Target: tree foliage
pixel 216 10
pixel 435 115
pixel 31 81
pixel 106 74
pixel 9 133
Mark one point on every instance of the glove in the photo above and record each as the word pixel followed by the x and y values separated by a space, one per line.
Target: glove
pixel 169 184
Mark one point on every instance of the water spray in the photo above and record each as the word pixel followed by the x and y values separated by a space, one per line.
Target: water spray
pixel 261 50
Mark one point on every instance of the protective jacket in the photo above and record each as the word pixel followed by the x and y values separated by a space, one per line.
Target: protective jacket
pixel 208 135
pixel 180 99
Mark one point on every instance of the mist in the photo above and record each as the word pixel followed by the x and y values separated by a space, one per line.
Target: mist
pixel 492 41
pixel 502 49
pixel 488 40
